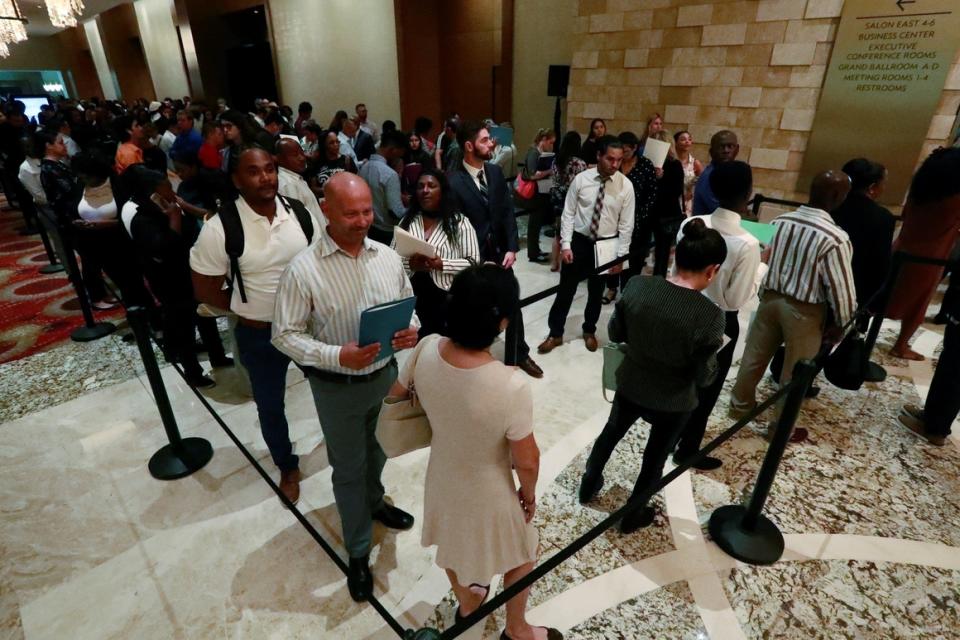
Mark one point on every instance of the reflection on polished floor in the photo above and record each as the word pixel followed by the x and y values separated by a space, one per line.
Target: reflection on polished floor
pixel 93 547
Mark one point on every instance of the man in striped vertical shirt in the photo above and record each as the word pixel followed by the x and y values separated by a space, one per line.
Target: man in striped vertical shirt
pixel 316 322
pixel 810 273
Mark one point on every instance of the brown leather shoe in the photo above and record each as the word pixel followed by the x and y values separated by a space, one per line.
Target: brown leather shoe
pixel 290 484
pixel 531 368
pixel 590 339
pixel 549 344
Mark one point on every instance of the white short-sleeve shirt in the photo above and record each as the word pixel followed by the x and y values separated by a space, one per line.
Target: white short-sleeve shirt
pixel 267 250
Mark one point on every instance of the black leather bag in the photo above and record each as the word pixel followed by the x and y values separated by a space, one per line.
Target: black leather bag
pixel 846 366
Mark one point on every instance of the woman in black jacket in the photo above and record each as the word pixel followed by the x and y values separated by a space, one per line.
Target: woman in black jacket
pixel 668 207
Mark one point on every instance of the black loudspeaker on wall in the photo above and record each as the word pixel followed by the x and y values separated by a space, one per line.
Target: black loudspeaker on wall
pixel 557 80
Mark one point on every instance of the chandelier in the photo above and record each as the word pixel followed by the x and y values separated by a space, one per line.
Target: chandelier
pixel 64 13
pixel 11 26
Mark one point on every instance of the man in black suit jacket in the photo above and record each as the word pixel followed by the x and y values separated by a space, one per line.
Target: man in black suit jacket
pixel 483 195
pixel 363 144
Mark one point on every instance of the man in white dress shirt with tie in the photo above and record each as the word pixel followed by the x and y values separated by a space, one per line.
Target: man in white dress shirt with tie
pixel 317 322
pixel 600 204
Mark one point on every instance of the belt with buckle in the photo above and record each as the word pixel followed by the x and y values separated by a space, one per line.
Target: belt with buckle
pixel 346 378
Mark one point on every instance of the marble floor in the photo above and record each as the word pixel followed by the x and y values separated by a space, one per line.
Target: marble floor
pixel 92 547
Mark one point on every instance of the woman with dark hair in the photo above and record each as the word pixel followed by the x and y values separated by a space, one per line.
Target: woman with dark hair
pixel 433 218
pixel 99 236
pixel 481 414
pixel 568 165
pixel 336 124
pixel 667 208
pixel 539 206
pixel 64 192
pixel 240 130
pixel 155 221
pixel 330 163
pixel 130 133
pixel 692 168
pixel 598 129
pixel 931 222
pixel 870 226
pixel 641 174
pixel 659 379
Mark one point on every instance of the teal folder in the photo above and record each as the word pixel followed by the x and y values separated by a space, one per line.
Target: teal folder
pixel 759 230
pixel 379 323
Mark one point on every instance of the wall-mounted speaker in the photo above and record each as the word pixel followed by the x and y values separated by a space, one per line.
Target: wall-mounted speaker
pixel 557 80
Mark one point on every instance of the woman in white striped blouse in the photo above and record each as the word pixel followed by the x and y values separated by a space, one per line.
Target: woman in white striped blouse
pixel 432 217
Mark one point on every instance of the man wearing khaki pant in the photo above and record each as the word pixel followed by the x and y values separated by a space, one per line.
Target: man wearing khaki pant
pixel 810 268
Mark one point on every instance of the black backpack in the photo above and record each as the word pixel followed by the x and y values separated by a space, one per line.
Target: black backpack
pixel 233 234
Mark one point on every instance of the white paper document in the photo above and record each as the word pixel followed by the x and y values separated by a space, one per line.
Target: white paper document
pixel 408 245
pixel 656 152
pixel 605 251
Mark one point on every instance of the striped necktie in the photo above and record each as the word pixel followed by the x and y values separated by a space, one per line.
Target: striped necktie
pixel 483 185
pixel 598 208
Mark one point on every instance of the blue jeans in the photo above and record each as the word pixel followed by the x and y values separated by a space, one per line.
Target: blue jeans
pixel 267 368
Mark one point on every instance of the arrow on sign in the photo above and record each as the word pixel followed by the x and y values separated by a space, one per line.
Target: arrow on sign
pixel 900 3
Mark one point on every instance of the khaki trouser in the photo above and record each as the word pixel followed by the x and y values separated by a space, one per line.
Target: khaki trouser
pixel 780 320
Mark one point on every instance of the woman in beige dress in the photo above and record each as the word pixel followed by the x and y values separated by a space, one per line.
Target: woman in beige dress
pixel 481 413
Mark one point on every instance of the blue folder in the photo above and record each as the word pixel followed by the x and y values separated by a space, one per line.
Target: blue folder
pixel 379 323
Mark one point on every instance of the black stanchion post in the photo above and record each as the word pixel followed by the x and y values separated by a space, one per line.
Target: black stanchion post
pixel 54 266
pixel 744 532
pixel 92 330
pixel 182 456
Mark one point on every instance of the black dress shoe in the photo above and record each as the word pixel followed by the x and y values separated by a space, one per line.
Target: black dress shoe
pixel 225 361
pixel 543 258
pixel 590 486
pixel 359 579
pixel 200 381
pixel 637 520
pixel 813 391
pixel 707 464
pixel 390 516
pixel 531 368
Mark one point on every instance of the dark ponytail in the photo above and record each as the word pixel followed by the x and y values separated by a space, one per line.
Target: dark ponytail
pixel 700 247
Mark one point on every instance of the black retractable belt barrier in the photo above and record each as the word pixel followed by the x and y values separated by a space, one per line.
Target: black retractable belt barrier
pixel 182 456
pixel 600 528
pixel 92 330
pixel 137 317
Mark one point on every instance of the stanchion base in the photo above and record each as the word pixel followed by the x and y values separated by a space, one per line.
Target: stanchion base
pixel 176 461
pixel 51 268
pixel 97 331
pixel 762 545
pixel 427 633
pixel 875 373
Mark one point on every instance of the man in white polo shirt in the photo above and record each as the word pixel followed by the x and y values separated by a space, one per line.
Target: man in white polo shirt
pixel 291 163
pixel 271 230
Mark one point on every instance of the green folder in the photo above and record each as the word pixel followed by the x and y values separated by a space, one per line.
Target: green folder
pixel 759 230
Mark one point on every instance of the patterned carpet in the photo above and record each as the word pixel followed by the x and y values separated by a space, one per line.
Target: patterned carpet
pixel 36 311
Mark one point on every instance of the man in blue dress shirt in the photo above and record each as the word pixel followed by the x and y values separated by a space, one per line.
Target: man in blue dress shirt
pixel 724 147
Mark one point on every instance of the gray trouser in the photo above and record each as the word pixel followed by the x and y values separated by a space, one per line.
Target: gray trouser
pixel 780 320
pixel 348 417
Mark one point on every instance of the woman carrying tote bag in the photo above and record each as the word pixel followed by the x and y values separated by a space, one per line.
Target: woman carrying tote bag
pixel 481 415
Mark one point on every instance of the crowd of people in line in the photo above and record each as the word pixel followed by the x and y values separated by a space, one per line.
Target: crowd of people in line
pixel 195 211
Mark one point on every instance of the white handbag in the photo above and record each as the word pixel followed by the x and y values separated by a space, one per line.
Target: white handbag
pixel 402 425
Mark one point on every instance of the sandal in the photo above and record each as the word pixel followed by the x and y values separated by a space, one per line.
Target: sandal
pixel 457 617
pixel 552 634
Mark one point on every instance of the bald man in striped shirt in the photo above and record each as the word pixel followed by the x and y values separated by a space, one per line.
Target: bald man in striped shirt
pixel 810 273
pixel 316 323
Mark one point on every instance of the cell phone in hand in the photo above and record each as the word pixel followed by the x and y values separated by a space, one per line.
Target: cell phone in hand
pixel 160 201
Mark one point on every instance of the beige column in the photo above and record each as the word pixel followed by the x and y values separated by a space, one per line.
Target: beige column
pixel 161 47
pixel 92 30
